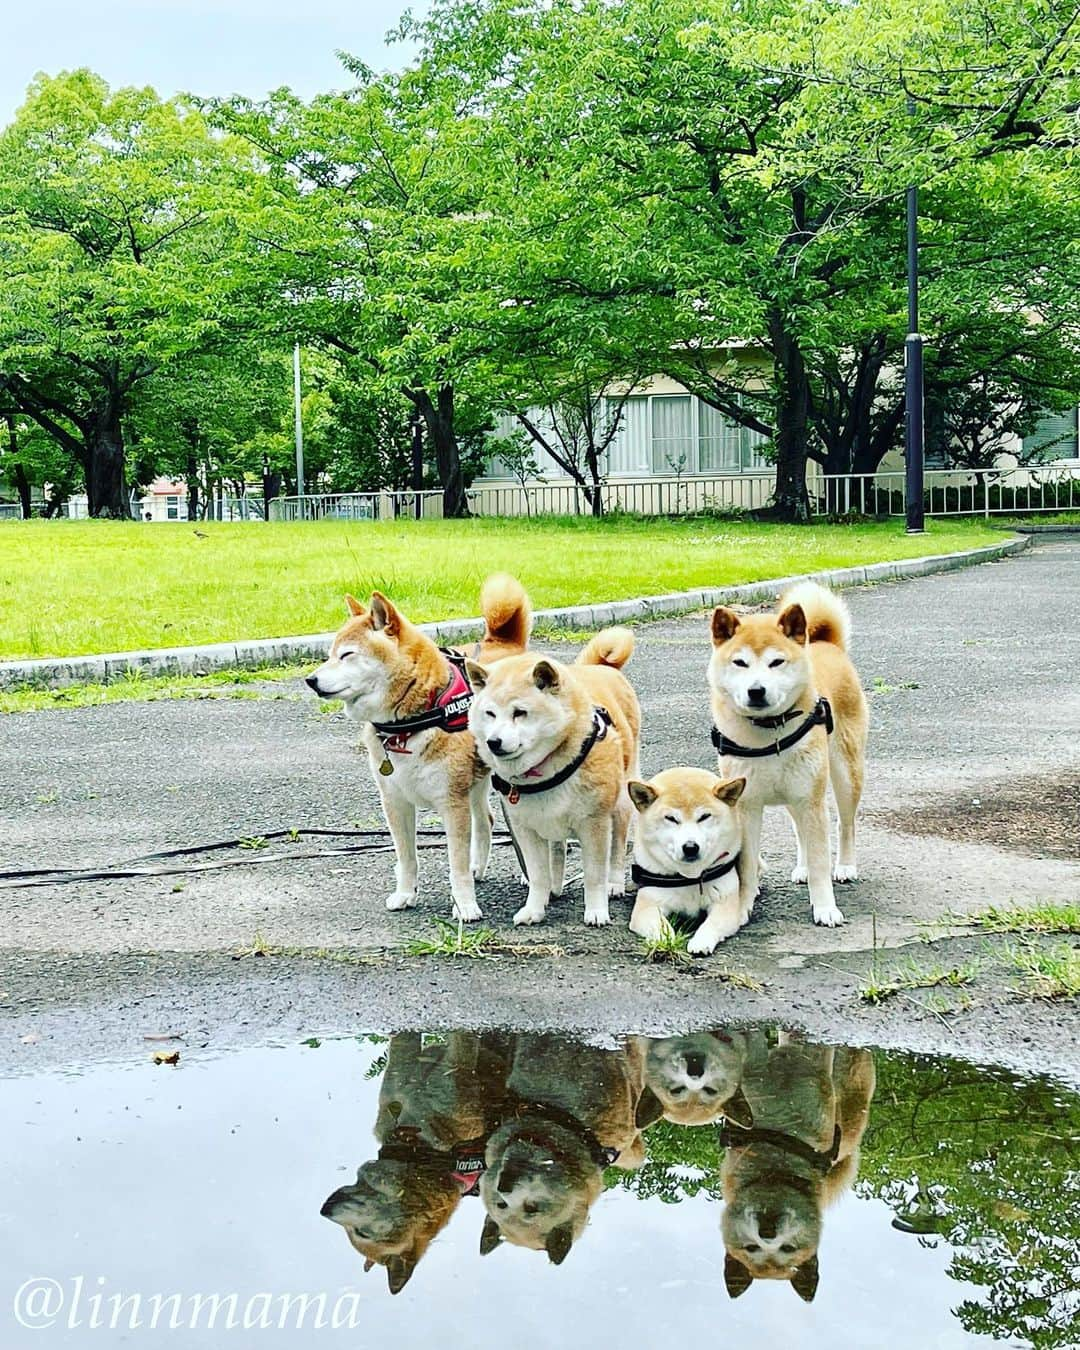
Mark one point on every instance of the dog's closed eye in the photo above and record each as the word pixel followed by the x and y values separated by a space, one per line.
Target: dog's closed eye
pixel 779 661
pixel 738 661
pixel 673 819
pixel 703 818
pixel 519 712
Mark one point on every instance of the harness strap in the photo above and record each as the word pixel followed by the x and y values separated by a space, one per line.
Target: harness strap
pixel 601 1156
pixel 465 1163
pixel 673 880
pixel 821 1160
pixel 820 716
pixel 448 710
pixel 514 791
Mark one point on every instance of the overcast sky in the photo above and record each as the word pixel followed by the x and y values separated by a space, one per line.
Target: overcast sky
pixel 205 46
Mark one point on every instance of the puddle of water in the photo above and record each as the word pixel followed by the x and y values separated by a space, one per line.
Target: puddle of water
pixel 763 1187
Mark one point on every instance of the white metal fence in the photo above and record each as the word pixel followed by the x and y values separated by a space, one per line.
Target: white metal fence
pixel 1036 489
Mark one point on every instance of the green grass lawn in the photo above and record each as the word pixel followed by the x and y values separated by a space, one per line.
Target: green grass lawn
pixel 77 587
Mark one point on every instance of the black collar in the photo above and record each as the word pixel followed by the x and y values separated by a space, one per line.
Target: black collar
pixel 819 716
pixel 601 1156
pixel 671 880
pixel 449 715
pixel 463 1158
pixel 822 1161
pixel 513 791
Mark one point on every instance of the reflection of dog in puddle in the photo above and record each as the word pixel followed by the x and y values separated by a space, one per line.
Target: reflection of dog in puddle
pixel 694 1080
pixel 437 1105
pixel 570 1113
pixel 809 1106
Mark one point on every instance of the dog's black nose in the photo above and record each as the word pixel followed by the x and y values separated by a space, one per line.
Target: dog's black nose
pixel 756 695
pixel 494 744
pixel 312 682
pixel 695 1066
pixel 768 1224
pixel 690 850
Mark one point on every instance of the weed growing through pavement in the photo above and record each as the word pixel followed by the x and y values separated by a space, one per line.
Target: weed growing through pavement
pixel 911 975
pixel 670 946
pixel 1050 973
pixel 1035 919
pixel 453 940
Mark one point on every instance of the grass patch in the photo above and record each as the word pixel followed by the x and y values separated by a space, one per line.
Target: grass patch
pixel 913 976
pixel 1051 972
pixel 131 585
pixel 1037 919
pixel 135 688
pixel 454 939
pixel 671 946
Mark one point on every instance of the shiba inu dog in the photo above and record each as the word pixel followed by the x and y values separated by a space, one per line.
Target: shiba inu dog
pixel 695 1079
pixel 809 1106
pixel 561 741
pixel 780 684
pixel 570 1114
pixel 437 1105
pixel 686 847
pixel 412 700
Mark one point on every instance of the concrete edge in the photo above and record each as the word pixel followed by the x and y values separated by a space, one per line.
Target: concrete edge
pixel 55 672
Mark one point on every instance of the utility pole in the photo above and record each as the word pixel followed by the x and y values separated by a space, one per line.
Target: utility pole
pixel 913 370
pixel 298 416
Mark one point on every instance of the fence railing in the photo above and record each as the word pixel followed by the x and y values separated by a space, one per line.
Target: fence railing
pixel 1023 490
pixel 358 506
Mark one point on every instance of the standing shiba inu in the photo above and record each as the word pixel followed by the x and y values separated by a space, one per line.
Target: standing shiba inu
pixel 686 848
pixel 570 1114
pixel 562 741
pixel 780 685
pixel 694 1079
pixel 437 1105
pixel 412 700
pixel 810 1105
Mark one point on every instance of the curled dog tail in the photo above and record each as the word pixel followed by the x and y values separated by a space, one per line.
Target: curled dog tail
pixel 506 610
pixel 610 647
pixel 827 617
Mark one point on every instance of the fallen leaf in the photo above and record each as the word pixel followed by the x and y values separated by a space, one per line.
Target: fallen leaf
pixel 165 1036
pixel 166 1056
pixel 31 1038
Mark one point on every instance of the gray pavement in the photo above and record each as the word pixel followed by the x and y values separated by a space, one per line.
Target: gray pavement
pixel 972 800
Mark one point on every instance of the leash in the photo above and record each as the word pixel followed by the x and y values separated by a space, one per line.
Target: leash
pixel 674 880
pixel 821 1160
pixel 513 792
pixel 820 716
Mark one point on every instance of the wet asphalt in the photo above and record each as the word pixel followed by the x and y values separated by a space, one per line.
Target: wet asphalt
pixel 972 800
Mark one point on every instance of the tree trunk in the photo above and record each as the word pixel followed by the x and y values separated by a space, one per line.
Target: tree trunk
pixel 104 441
pixel 791 501
pixel 191 478
pixel 439 422
pixel 22 483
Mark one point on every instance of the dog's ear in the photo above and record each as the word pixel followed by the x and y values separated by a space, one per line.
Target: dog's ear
pixel 545 676
pixel 641 794
pixel 792 623
pixel 649 1109
pixel 558 1244
pixel 354 606
pixel 737 1279
pixel 724 623
pixel 384 616
pixel 805 1279
pixel 730 790
pixel 399 1270
pixel 737 1110
pixel 490 1236
pixel 369 1264
pixel 476 674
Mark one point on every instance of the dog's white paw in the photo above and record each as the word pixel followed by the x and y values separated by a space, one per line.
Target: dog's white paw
pixel 479 870
pixel 845 872
pixel 523 879
pixel 526 915
pixel 401 900
pixel 701 946
pixel 468 911
pixel 828 916
pixel 800 875
pixel 598 917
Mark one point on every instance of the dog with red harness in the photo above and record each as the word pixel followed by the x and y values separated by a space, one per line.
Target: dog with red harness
pixel 412 699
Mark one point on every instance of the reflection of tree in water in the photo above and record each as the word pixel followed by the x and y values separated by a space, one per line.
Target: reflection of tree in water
pixel 988 1163
pixel 681 1161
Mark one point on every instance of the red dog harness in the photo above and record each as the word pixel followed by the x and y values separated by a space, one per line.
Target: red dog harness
pixel 447 710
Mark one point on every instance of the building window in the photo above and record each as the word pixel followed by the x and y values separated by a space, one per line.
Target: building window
pixel 1054 437
pixel 172 508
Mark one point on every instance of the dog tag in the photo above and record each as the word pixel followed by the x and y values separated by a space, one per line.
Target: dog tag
pixel 514 796
pixel 386 768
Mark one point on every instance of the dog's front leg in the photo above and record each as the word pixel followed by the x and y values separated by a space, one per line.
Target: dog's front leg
pixel 620 832
pixel 457 819
pixel 535 851
pixel 595 836
pixel 749 861
pixel 401 817
pixel 647 919
pixel 722 921
pixel 480 848
pixel 812 822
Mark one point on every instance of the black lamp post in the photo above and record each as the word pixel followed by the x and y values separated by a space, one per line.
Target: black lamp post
pixel 913 371
pixel 266 485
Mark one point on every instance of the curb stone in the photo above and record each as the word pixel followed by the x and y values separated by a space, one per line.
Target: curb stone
pixel 55 672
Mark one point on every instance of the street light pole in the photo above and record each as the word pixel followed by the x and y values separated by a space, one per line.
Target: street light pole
pixel 298 424
pixel 913 371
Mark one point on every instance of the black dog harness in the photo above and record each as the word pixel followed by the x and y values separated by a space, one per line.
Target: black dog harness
pixel 448 710
pixel 671 881
pixel 601 1156
pixel 821 1160
pixel 513 792
pixel 465 1163
pixel 820 716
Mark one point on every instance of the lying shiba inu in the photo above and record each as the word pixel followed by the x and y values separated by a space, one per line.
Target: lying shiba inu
pixel 561 741
pixel 809 1106
pixel 413 701
pixel 695 1079
pixel 570 1114
pixel 686 848
pixel 780 685
pixel 437 1105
